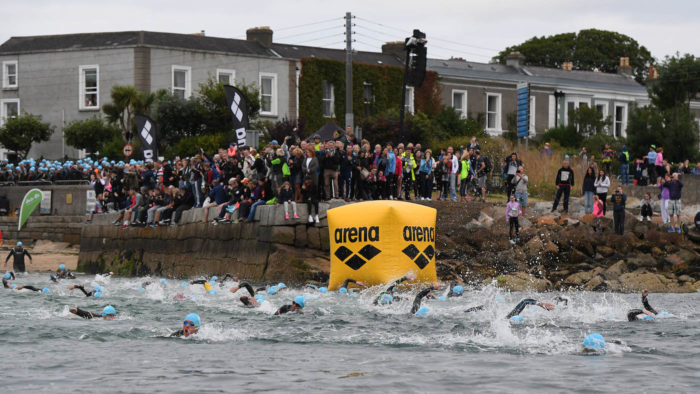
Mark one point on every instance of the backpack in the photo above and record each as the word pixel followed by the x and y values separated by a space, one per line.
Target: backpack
pixel 488 167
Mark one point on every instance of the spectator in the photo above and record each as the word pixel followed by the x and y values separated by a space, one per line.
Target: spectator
pixel 589 190
pixel 597 213
pixel 624 159
pixel 218 196
pixel 564 182
pixel 647 207
pixel 660 170
pixel 520 182
pixel 311 199
pixel 602 185
pixel 464 178
pixel 183 201
pixel 512 213
pixel 473 144
pixel 641 174
pixel 607 158
pixel 286 197
pixel 674 203
pixel 409 176
pixel 481 172
pixel 651 165
pixel 442 174
pixel 583 155
pixel 664 195
pixel 619 200
pixel 546 151
pixel 425 175
pixel 696 169
pixel 453 173
pixel 512 163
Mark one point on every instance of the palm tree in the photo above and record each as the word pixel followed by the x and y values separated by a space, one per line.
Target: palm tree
pixel 126 102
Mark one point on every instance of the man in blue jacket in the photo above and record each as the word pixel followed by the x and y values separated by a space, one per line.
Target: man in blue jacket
pixel 674 201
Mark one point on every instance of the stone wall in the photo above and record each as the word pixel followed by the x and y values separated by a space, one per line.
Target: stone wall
pixel 49 228
pixel 690 194
pixel 268 249
pixel 66 200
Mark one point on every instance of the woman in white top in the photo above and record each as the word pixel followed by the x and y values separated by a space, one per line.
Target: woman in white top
pixel 602 184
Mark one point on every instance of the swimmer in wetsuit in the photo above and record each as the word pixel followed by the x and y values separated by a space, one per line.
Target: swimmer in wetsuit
pixel 422 294
pixel 635 314
pixel 455 290
pixel 62 273
pixel 189 327
pixel 5 278
pixel 96 290
pixel 382 297
pixel 529 301
pixel 347 282
pixel 252 301
pixel 108 313
pixel 18 252
pixel 296 306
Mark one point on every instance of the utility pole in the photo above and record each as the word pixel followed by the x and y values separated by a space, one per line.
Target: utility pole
pixel 349 118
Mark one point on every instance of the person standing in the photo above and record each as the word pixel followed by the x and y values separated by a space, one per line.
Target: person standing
pixel 520 181
pixel 664 195
pixel 512 213
pixel 564 182
pixel 511 167
pixel 651 166
pixel 454 168
pixel 674 201
pixel 481 172
pixel 18 252
pixel 619 200
pixel 602 184
pixel 659 163
pixel 588 190
pixel 583 155
pixel 624 159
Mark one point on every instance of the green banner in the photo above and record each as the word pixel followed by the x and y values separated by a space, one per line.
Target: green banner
pixel 31 200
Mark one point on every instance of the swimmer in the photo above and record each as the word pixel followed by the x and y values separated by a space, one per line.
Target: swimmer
pixel 475 309
pixel 390 290
pixel 634 314
pixel 296 306
pixel 18 252
pixel 419 297
pixel 353 281
pixel 529 301
pixel 227 276
pixel 62 273
pixel 251 301
pixel 96 290
pixel 189 327
pixel 455 290
pixel 108 313
pixel 5 278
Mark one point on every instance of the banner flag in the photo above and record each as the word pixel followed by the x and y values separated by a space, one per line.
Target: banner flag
pixel 30 201
pixel 239 112
pixel 147 131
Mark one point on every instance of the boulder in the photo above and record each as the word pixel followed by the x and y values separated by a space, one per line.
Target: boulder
pixel 520 281
pixel 597 283
pixel 605 251
pixel 641 261
pixel 615 270
pixel 534 246
pixel 485 220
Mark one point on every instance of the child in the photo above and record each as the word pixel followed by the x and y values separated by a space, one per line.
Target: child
pixel 597 212
pixel 382 186
pixel 647 207
pixel 512 212
pixel 310 196
pixel 286 197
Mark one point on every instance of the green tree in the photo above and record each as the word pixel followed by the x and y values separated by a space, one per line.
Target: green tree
pixel 177 118
pixel 89 134
pixel 589 121
pixel 675 129
pixel 678 82
pixel 588 50
pixel 127 102
pixel 19 133
pixel 211 105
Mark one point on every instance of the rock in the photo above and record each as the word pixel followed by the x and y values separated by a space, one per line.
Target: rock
pixel 525 222
pixel 641 261
pixel 313 238
pixel 283 234
pixel 521 281
pixel 615 270
pixel 588 218
pixel 577 257
pixel 534 246
pixel 582 277
pixel 685 278
pixel 549 219
pixel 596 284
pixel 641 279
pixel 569 222
pixel 550 248
pixel 474 225
pixel 300 239
pixel 605 251
pixel 485 220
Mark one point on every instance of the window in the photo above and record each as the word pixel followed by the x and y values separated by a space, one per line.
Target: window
pixel 227 77
pixel 493 111
pixel 531 126
pixel 328 100
pixel 89 91
pixel 367 98
pixel 181 83
pixel 9 74
pixel 408 104
pixel 459 102
pixel 268 94
pixel 9 108
pixel 620 122
pixel 574 103
pixel 602 108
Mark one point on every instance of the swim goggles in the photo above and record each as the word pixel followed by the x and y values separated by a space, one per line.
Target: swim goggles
pixel 189 323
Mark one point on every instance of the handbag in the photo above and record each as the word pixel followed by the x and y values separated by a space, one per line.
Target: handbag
pixel 364 174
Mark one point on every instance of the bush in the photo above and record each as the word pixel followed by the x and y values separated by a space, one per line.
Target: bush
pixel 566 136
pixel 189 146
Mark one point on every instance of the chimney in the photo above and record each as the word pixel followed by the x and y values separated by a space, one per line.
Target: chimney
pixel 395 48
pixel 653 74
pixel 624 68
pixel 515 59
pixel 261 35
pixel 567 66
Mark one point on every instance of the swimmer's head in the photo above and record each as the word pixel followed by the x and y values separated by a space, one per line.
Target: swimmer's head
pixel 272 290
pixel 281 285
pixel 594 341
pixel 19 243
pixel 109 312
pixel 14 286
pixel 386 299
pixel 645 292
pixel 213 292
pixel 323 289
pixel 458 290
pixel 97 294
pixel 163 281
pixel 423 311
pixel 259 298
pixel 185 284
pixel 45 290
pixel 62 267
pixel 343 290
pixel 299 302
pixel 7 276
pixel 191 324
pixel 214 278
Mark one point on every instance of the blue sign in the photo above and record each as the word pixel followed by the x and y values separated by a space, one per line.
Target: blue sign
pixel 523 110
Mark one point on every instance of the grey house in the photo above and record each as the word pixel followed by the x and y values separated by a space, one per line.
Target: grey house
pixel 490 89
pixel 69 77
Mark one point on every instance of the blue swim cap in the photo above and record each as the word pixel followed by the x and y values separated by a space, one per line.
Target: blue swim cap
pixel 185 284
pixel 386 299
pixel 342 290
pixel 163 281
pixel 19 243
pixel 194 318
pixel 516 320
pixel 97 294
pixel 281 285
pixel 442 298
pixel 141 288
pixel 299 300
pixel 62 267
pixel 109 310
pixel 272 290
pixel 213 292
pixel 594 341
pixel 458 289
pixel 7 275
pixel 98 288
pixel 213 278
pixel 422 311
pixel 45 290
pixel 323 289
pixel 259 298
pixel 14 285
pixel 352 295
pixel 647 318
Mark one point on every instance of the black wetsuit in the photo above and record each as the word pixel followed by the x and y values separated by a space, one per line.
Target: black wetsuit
pixel 178 333
pixel 87 293
pixel 521 306
pixel 18 253
pixel 475 309
pixel 347 282
pixel 5 283
pixel 62 275
pixel 419 298
pixel 390 291
pixel 286 309
pixel 632 314
pixel 86 314
pixel 245 299
pixel 32 288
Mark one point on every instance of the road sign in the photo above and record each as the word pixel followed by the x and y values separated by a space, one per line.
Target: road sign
pixel 128 150
pixel 523 110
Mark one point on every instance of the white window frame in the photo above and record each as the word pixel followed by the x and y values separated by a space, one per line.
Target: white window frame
pixel 226 71
pixel 409 103
pixel 81 87
pixel 551 122
pixel 498 125
pixel 6 77
pixel 3 112
pixel 188 79
pixel 606 110
pixel 273 94
pixel 531 122
pixel 463 109
pixel 576 100
pixel 623 122
pixel 331 100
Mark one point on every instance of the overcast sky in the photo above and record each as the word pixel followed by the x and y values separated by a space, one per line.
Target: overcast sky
pixel 474 30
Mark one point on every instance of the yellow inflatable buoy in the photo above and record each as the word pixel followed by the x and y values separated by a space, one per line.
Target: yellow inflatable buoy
pixel 379 241
pixel 207 286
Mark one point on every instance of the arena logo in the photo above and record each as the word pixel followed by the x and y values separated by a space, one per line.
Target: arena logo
pixel 356 235
pixel 419 234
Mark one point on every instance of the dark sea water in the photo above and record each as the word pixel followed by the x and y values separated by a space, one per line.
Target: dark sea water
pixel 340 343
